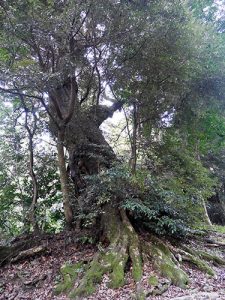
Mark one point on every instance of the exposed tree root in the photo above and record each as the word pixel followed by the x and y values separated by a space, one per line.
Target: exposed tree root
pixel 214 243
pixel 159 289
pixel 29 253
pixel 198 257
pixel 210 257
pixel 197 261
pixel 124 246
pixel 11 251
pixel 69 274
pixel 166 263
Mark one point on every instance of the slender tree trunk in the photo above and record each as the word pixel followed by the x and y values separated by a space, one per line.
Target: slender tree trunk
pixel 206 215
pixel 64 180
pixel 32 210
pixel 134 141
pixel 31 132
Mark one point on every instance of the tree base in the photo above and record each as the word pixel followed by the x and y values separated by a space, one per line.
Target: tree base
pixel 80 280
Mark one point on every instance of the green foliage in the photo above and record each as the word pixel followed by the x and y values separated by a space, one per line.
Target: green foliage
pixel 155 219
pixel 185 181
pixel 50 209
pixel 216 228
pixel 168 194
pixel 164 56
pixel 15 180
pixel 11 217
pixel 147 203
pixel 15 199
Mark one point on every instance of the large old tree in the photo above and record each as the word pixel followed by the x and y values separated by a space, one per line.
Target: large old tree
pixel 71 56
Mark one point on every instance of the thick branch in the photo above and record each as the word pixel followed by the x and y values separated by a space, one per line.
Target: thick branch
pixel 88 87
pixel 49 113
pixel 21 94
pixel 73 100
pixel 56 106
pixel 103 112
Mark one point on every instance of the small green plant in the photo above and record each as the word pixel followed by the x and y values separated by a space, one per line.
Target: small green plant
pixel 86 240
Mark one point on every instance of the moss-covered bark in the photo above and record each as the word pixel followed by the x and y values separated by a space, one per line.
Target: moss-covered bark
pixel 205 255
pixel 134 248
pixel 199 263
pixel 199 258
pixel 69 274
pixel 211 257
pixel 165 262
pixel 124 246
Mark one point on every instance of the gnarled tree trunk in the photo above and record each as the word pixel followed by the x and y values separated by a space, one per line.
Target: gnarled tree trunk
pixel 78 130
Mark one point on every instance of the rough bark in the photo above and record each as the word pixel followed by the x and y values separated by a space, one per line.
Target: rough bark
pixel 64 180
pixel 25 254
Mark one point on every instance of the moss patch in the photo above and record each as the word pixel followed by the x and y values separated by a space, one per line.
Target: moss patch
pixel 218 228
pixel 137 268
pixel 69 274
pixel 117 262
pixel 211 257
pixel 111 262
pixel 153 280
pixel 165 262
pixel 196 257
pixel 203 266
pixel 134 249
pixel 177 276
pixel 92 276
pixel 140 295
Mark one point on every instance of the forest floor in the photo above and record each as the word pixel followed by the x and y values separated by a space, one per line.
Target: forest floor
pixel 36 277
